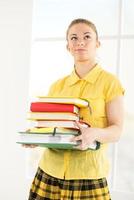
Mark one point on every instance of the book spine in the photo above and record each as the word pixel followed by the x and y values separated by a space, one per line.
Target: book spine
pixel 52 116
pixel 53 107
pixel 56 123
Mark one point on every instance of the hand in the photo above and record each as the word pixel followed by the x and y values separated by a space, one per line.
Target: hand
pixel 87 137
pixel 29 145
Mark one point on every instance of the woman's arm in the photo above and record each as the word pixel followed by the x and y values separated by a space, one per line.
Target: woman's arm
pixel 115 116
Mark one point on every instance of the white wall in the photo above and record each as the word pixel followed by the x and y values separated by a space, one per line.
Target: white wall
pixel 15 44
pixel 120 195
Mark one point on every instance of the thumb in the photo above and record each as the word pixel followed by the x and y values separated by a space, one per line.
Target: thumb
pixel 80 126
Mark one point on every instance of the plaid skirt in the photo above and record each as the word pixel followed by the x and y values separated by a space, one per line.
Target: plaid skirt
pixel 46 187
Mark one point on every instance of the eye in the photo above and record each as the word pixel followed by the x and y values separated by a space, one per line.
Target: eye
pixel 73 38
pixel 87 37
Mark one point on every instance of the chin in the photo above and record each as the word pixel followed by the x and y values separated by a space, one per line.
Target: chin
pixel 82 59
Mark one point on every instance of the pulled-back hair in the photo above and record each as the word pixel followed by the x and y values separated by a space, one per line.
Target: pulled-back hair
pixel 84 21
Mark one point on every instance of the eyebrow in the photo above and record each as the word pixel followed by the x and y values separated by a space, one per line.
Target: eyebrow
pixel 87 32
pixel 74 34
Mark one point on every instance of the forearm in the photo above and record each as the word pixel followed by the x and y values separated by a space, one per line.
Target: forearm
pixel 109 134
pixel 115 118
pixel 103 135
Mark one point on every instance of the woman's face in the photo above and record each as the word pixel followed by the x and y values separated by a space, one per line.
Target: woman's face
pixel 82 42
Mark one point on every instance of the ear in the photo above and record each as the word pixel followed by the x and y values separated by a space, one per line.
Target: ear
pixel 67 47
pixel 98 44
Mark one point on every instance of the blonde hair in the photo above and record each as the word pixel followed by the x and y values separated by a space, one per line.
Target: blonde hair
pixel 84 21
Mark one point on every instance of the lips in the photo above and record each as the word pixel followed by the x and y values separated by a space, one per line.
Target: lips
pixel 80 50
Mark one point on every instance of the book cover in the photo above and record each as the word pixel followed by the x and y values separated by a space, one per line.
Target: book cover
pixel 52 116
pixel 58 123
pixel 54 130
pixel 66 100
pixel 53 107
pixel 58 141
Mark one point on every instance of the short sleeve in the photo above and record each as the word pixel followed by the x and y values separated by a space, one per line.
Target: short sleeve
pixel 54 88
pixel 51 90
pixel 113 89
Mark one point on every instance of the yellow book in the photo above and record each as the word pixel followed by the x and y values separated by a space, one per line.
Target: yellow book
pixel 66 100
pixel 52 130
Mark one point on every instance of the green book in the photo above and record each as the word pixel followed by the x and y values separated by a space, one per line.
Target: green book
pixel 49 140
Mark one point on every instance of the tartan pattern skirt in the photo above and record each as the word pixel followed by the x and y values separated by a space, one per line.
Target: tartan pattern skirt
pixel 46 187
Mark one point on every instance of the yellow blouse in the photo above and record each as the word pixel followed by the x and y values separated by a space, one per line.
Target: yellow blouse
pixel 98 87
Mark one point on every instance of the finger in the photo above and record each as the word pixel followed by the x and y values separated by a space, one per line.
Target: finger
pixel 84 124
pixel 77 147
pixel 33 146
pixel 83 146
pixel 24 145
pixel 76 138
pixel 29 145
pixel 79 125
pixel 80 147
pixel 72 139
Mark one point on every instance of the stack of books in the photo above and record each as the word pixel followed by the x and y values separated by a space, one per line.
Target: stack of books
pixel 55 125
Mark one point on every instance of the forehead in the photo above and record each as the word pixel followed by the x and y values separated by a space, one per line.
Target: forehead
pixel 80 28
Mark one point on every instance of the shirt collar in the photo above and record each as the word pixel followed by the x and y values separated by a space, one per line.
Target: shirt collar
pixel 91 77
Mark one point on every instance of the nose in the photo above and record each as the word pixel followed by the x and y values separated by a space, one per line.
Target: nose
pixel 81 42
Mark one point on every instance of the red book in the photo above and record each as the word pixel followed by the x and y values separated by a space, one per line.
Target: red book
pixel 53 107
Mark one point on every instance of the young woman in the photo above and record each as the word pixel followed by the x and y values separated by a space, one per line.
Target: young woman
pixel 81 174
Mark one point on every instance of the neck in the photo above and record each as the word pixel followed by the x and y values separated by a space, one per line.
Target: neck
pixel 83 68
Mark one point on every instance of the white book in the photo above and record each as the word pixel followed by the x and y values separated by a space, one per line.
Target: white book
pixel 52 116
pixel 57 123
pixel 37 138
